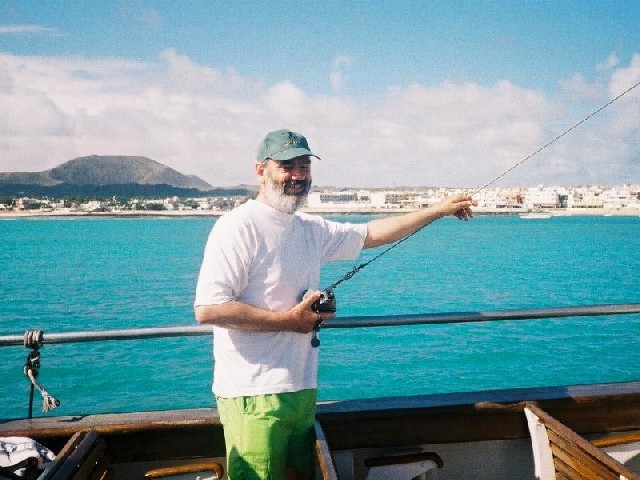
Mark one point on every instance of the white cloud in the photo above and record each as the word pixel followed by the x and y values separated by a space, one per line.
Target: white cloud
pixel 204 121
pixel 150 17
pixel 339 67
pixel 336 79
pixel 135 12
pixel 27 29
pixel 341 61
pixel 611 62
pixel 624 78
pixel 577 88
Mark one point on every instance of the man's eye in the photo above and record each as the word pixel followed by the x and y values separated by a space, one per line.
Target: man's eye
pixel 290 167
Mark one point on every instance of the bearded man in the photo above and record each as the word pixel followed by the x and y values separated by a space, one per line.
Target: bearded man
pixel 259 260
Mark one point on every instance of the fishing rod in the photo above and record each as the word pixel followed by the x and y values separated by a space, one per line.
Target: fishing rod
pixel 327 301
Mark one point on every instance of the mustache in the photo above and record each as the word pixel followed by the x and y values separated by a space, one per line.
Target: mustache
pixel 296 183
pixel 305 184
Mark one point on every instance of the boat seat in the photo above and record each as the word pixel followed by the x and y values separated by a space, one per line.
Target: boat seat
pixel 403 467
pixel 559 452
pixel 390 467
pixel 326 464
pixel 83 457
pixel 204 470
pixel 625 448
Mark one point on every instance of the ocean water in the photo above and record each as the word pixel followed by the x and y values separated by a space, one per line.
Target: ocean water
pixel 77 274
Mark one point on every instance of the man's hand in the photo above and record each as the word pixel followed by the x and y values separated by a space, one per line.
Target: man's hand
pixel 303 317
pixel 458 205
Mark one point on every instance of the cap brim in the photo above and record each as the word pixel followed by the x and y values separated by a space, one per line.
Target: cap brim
pixel 293 153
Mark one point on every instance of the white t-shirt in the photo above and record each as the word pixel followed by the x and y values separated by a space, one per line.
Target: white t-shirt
pixel 267 258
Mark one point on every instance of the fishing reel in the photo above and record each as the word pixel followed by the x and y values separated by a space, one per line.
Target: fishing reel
pixel 325 304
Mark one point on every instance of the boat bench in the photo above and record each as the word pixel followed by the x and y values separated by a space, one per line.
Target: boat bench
pixel 625 448
pixel 86 457
pixel 559 452
pixel 326 465
pixel 83 457
pixel 405 466
pixel 207 469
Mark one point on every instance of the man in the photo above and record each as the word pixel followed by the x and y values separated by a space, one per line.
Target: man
pixel 259 260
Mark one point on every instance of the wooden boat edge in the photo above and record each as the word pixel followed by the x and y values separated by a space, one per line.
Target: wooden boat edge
pixel 607 406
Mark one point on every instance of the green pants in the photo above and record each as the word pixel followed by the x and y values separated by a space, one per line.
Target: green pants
pixel 267 434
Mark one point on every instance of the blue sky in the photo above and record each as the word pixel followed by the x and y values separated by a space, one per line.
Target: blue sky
pixel 389 93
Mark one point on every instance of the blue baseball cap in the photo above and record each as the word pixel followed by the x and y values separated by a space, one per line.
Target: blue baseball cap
pixel 283 145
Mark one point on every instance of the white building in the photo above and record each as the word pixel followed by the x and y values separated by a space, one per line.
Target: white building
pixel 620 197
pixel 341 199
pixel 585 197
pixel 541 197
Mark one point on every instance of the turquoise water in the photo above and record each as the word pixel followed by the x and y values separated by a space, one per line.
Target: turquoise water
pixel 64 275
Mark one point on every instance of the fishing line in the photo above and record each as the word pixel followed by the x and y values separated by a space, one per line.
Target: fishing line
pixel 356 269
pixel 327 302
pixel 558 137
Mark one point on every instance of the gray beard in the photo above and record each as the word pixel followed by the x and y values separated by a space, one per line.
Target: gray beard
pixel 276 198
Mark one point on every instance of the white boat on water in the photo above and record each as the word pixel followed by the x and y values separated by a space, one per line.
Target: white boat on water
pixel 535 216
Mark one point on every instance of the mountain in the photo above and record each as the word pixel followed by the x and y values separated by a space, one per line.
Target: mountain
pixel 97 175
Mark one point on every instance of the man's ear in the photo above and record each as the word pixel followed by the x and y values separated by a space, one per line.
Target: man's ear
pixel 260 167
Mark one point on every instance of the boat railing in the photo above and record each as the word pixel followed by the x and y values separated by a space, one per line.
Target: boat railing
pixel 340 322
pixel 35 339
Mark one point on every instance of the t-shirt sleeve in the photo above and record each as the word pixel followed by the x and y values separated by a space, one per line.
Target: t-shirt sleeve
pixel 223 273
pixel 344 241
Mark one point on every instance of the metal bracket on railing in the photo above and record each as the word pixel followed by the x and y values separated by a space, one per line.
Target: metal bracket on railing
pixel 33 340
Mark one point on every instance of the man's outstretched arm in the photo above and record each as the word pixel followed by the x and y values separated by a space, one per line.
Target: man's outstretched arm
pixel 391 229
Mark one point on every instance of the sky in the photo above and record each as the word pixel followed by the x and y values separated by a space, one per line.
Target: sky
pixel 393 93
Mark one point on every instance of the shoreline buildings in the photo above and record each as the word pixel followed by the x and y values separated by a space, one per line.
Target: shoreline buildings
pixel 621 200
pixel 494 200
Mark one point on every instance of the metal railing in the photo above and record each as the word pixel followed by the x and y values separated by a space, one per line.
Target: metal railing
pixel 35 339
pixel 343 322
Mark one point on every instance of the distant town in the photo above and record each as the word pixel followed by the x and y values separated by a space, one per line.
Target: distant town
pixel 549 200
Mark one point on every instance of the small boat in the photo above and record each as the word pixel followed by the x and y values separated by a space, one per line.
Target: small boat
pixel 572 431
pixel 535 216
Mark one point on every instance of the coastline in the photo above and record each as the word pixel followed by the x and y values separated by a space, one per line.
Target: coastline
pixel 123 214
pixel 337 210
